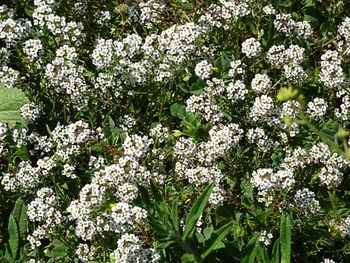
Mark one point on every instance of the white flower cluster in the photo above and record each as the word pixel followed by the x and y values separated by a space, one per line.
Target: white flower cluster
pixel 261 83
pixel 221 14
pixel 66 76
pixel 286 25
pixel 291 109
pixel 148 13
pixel 44 209
pixel 217 196
pixel 130 250
pixel 343 45
pixel 258 137
pixel 4 56
pixel 196 163
pixel 3 130
pixel 332 165
pixel 269 10
pixel 236 91
pixel 289 60
pixel 330 176
pixel 44 16
pixel 135 146
pixel 30 111
pixel 345 226
pixel 32 48
pixel 251 47
pixel 265 238
pixel 3 135
pixel 27 177
pixel 69 139
pixel 68 171
pixel 175 45
pixel 85 252
pixel 20 137
pixel 102 16
pixel 279 55
pixel 204 69
pixel 8 76
pixel 46 165
pixel 317 108
pixel 305 202
pixel 236 67
pixel 160 132
pixel 107 83
pixel 269 183
pixel 331 73
pixel 204 103
pixel 344 109
pixel 264 109
pixel 127 122
pixel 119 180
pixel 222 139
pixel 11 31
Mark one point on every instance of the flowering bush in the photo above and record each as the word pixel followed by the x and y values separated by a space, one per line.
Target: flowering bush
pixel 174 131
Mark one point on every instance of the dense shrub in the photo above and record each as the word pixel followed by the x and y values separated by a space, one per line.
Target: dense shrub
pixel 174 131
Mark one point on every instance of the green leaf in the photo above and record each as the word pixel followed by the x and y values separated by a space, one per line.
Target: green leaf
pixel 6 260
pixel 207 232
pixel 177 110
pixel 215 242
pixel 285 238
pixel 23 222
pixel 22 152
pixel 157 195
pixel 59 250
pixel 111 123
pixel 196 211
pixel 251 250
pixel 16 212
pixel 163 245
pixel 13 236
pixel 262 254
pixel 187 6
pixel 276 252
pixel 11 100
pixel 174 214
pixel 20 215
pixel 200 237
pixel 186 78
pixel 197 87
pixel 187 258
pixel 287 3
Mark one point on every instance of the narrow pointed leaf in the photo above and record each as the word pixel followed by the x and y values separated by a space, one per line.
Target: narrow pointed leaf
pixel 276 252
pixel 215 242
pixel 251 250
pixel 174 214
pixel 196 211
pixel 23 222
pixel 13 236
pixel 17 209
pixel 285 238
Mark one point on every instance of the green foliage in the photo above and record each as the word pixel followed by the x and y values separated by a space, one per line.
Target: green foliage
pixel 195 212
pixel 11 100
pixel 285 238
pixel 148 76
pixel 13 237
